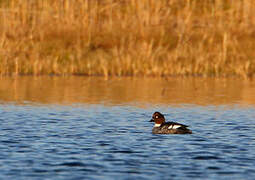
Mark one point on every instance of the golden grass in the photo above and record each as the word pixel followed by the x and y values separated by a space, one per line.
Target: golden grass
pixel 127 37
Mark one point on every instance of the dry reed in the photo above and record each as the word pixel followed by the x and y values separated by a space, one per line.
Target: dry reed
pixel 127 37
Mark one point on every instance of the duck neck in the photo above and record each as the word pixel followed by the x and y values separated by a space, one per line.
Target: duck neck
pixel 157 125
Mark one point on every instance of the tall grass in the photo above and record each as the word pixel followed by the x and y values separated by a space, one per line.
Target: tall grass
pixel 127 37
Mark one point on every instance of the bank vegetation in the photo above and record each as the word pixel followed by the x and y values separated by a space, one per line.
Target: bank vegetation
pixel 127 37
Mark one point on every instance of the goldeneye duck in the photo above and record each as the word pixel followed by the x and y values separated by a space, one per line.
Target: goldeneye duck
pixel 162 127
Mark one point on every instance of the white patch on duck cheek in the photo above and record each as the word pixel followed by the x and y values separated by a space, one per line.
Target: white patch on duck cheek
pixel 174 126
pixel 157 125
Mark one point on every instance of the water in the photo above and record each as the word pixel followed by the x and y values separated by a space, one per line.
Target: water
pixel 45 136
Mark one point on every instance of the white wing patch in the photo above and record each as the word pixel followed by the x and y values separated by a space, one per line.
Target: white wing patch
pixel 174 126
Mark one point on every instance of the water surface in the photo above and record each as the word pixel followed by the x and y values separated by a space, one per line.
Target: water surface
pixel 95 128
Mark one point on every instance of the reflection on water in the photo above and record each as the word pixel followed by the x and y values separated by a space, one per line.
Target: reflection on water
pixel 94 128
pixel 94 90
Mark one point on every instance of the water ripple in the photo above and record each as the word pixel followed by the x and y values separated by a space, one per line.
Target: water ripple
pixel 63 142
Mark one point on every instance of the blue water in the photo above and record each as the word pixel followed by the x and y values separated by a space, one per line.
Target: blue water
pixel 115 142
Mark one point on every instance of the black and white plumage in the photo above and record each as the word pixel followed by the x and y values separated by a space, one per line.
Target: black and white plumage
pixel 162 127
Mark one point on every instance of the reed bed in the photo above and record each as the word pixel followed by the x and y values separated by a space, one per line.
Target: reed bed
pixel 127 37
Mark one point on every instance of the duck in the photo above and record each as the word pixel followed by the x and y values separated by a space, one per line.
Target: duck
pixel 163 127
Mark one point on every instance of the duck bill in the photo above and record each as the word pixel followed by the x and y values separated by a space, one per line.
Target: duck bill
pixel 152 120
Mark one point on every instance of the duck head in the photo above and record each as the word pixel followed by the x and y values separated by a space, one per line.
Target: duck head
pixel 158 118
